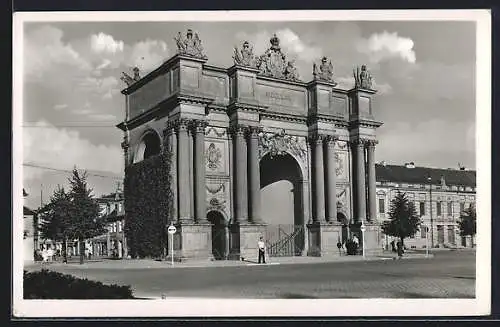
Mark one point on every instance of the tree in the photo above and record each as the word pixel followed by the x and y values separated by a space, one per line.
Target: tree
pixel 55 218
pixel 85 222
pixel 403 219
pixel 72 215
pixel 467 222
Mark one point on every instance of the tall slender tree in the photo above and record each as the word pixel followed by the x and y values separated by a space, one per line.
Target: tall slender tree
pixel 85 222
pixel 467 222
pixel 403 219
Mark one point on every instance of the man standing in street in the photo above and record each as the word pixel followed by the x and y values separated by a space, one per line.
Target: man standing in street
pixel 262 250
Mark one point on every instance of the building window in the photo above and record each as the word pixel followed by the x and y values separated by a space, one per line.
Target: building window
pixel 450 206
pixel 438 208
pixel 381 206
pixel 422 208
pixel 423 232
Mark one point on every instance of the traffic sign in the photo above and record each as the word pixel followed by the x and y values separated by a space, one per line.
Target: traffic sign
pixel 171 229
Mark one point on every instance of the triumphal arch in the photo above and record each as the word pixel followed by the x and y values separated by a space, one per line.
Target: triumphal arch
pixel 256 151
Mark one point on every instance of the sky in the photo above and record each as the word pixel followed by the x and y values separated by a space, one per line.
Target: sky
pixel 424 73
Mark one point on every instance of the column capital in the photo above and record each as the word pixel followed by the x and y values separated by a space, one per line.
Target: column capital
pixel 317 138
pixel 199 125
pixel 371 143
pixel 238 130
pixel 331 140
pixel 253 131
pixel 361 142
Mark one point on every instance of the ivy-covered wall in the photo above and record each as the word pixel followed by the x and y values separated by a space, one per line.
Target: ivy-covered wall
pixel 148 206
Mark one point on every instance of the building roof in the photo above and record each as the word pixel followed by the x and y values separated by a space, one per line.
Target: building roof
pixel 110 197
pixel 419 175
pixel 28 212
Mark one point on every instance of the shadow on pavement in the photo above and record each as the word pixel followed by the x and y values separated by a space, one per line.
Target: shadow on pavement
pixel 295 296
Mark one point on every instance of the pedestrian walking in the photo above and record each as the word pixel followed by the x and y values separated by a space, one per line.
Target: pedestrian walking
pixel 393 246
pixel 50 254
pixel 45 256
pixel 400 250
pixel 355 239
pixel 262 250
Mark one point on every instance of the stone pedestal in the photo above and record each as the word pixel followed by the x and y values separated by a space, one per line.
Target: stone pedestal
pixel 192 241
pixel 373 237
pixel 323 239
pixel 244 238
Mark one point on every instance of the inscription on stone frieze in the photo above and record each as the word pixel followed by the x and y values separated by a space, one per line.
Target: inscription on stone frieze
pixel 339 106
pixel 149 95
pixel 282 99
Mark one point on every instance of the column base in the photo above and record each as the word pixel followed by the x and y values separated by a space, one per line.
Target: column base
pixel 373 237
pixel 323 239
pixel 192 241
pixel 244 238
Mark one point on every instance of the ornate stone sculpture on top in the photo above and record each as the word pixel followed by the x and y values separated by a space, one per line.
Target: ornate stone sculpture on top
pixel 273 62
pixel 324 72
pixel 277 144
pixel 190 46
pixel 131 80
pixel 245 56
pixel 362 78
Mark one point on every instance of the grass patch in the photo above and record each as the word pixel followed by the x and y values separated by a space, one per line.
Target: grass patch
pixel 47 284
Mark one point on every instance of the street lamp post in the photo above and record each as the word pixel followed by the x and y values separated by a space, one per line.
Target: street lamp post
pixel 432 221
pixel 426 241
pixel 363 228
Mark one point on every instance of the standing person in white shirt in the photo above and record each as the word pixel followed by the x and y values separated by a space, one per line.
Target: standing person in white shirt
pixel 262 250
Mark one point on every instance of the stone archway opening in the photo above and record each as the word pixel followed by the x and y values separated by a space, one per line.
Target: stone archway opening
pixel 220 235
pixel 282 207
pixel 149 146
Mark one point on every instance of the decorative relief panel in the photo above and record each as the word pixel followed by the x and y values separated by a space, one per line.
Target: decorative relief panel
pixel 281 143
pixel 323 100
pixel 245 86
pixel 216 158
pixel 341 165
pixel 149 95
pixel 217 193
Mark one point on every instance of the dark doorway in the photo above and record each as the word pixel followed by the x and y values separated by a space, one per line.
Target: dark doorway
pixel 219 235
pixel 341 218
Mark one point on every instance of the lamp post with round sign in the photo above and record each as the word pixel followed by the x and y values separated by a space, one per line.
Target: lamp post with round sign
pixel 171 230
pixel 363 229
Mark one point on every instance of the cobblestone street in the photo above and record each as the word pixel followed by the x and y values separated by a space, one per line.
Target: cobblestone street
pixel 449 274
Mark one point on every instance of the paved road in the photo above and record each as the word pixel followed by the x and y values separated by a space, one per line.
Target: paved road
pixel 449 274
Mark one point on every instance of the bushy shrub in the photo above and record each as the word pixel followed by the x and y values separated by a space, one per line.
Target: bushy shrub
pixel 47 284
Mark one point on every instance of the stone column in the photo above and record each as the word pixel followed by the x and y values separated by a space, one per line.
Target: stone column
pixel 359 171
pixel 240 178
pixel 183 172
pixel 332 179
pixel 226 241
pixel 175 185
pixel 372 196
pixel 319 179
pixel 254 175
pixel 191 170
pixel 199 153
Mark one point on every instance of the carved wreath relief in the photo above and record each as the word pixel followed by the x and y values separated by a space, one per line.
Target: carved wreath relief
pixel 339 164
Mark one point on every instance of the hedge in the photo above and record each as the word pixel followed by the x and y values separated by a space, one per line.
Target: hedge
pixel 148 205
pixel 47 284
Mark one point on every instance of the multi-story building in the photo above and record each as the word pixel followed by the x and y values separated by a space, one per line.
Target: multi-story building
pixel 113 243
pixel 29 237
pixel 439 196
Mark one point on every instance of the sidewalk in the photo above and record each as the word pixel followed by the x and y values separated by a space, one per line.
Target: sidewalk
pixel 153 264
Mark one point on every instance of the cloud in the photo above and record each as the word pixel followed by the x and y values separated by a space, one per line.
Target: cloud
pixel 105 63
pixel 105 43
pixel 44 50
pixel 385 45
pixel 436 141
pixel 148 54
pixel 48 146
pixel 347 83
pixel 292 43
pixel 60 106
pixel 105 87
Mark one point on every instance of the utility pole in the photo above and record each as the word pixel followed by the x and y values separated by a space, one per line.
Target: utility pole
pixel 432 221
